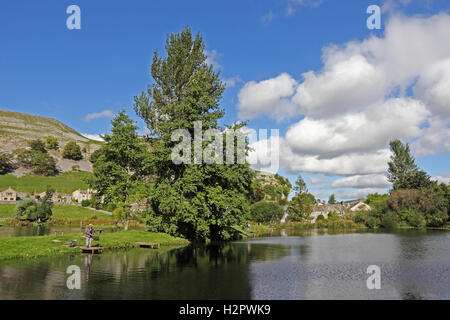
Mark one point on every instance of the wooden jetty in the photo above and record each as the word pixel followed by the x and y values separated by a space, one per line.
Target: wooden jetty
pixel 148 245
pixel 91 249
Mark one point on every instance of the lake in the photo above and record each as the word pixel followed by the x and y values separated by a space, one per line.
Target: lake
pixel 285 265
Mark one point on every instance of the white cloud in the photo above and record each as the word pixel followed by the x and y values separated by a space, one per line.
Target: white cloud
pixel 291 162
pixel 343 86
pixel 232 81
pixel 362 181
pixel 95 137
pixel 267 97
pixel 442 178
pixel 357 194
pixel 361 99
pixel 358 132
pixel 98 115
pixel 212 58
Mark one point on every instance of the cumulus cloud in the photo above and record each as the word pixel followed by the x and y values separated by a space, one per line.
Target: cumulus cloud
pixel 264 151
pixel 362 181
pixel 358 132
pixel 361 99
pixel 98 115
pixel 270 97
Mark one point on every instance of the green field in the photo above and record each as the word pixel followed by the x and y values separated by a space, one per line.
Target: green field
pixel 34 247
pixel 60 212
pixel 66 182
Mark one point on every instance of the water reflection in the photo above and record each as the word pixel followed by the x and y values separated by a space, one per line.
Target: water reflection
pixel 330 266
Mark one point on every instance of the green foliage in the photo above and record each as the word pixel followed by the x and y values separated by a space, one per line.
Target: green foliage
pixel 51 143
pixel 265 211
pixel 31 210
pixel 44 164
pixel 332 199
pixel 5 163
pixel 300 185
pixel 320 217
pixel 95 155
pixel 257 192
pixel 300 207
pixel 122 163
pixel 403 173
pixel 38 146
pixel 72 151
pixel 85 203
pixel 197 201
pixel 333 215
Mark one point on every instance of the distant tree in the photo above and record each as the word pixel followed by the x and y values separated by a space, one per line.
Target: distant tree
pixel 300 185
pixel 72 151
pixel 403 172
pixel 332 199
pixel 5 163
pixel 257 192
pixel 31 210
pixel 265 211
pixel 51 143
pixel 25 157
pixel 300 206
pixel 44 164
pixel 38 145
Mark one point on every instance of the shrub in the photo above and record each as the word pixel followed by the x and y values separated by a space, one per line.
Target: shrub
pixel 389 220
pixel 414 218
pixel 44 164
pixel 320 217
pixel 85 203
pixel 333 215
pixel 5 163
pixel 95 155
pixel 72 151
pixel 38 145
pixel 51 143
pixel 265 211
pixel 30 210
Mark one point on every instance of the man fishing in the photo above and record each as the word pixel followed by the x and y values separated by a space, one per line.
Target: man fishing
pixel 89 235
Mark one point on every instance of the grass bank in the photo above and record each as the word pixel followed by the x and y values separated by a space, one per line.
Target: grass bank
pixel 44 246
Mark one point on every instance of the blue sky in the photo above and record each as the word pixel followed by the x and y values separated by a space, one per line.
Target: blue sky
pixel 48 70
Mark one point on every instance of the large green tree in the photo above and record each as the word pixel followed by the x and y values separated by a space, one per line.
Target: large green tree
pixel 300 207
pixel 196 200
pixel 403 172
pixel 120 166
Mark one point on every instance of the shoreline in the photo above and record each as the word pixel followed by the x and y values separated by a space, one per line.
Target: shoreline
pixel 31 247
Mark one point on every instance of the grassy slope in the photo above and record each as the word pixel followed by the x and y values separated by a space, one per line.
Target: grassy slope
pixel 66 182
pixel 34 247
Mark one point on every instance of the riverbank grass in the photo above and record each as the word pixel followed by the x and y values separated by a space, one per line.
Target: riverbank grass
pixel 44 246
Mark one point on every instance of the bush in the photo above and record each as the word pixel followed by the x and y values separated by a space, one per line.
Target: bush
pixel 72 151
pixel 85 203
pixel 44 164
pixel 5 163
pixel 51 143
pixel 38 145
pixel 389 220
pixel 320 217
pixel 265 211
pixel 30 210
pixel 333 215
pixel 95 155
pixel 414 218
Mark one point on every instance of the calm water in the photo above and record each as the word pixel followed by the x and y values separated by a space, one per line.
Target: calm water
pixel 414 265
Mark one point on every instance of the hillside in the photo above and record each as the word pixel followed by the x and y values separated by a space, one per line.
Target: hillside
pixel 272 186
pixel 17 129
